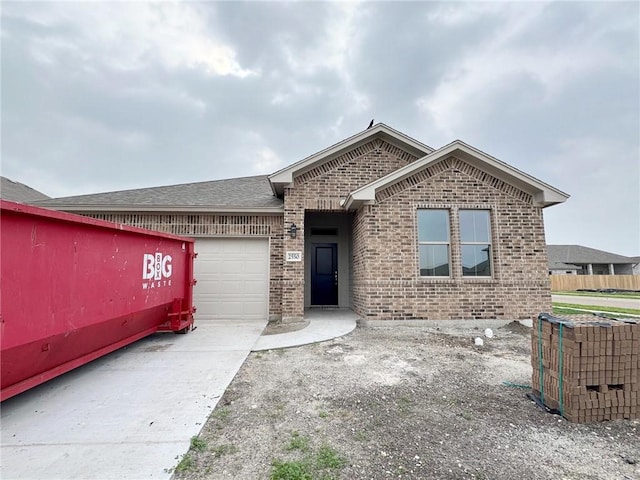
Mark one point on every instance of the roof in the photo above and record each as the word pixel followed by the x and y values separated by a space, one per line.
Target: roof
pixel 563 266
pixel 19 192
pixel 577 254
pixel 543 194
pixel 246 194
pixel 284 177
pixel 259 194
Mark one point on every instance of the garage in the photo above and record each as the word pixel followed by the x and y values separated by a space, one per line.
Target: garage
pixel 232 279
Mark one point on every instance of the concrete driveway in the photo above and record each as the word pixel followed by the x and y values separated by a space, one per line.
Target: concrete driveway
pixel 129 415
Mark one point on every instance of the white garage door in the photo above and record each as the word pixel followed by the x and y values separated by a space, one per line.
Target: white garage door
pixel 233 278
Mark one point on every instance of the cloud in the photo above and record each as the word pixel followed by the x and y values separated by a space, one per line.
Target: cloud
pixel 101 96
pixel 266 161
pixel 604 181
pixel 136 35
pixel 478 80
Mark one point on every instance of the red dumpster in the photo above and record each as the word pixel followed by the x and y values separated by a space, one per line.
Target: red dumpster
pixel 73 289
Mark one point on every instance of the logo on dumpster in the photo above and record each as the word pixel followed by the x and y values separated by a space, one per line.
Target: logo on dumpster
pixel 156 270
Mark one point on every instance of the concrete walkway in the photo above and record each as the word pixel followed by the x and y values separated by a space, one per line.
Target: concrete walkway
pixel 323 325
pixel 621 302
pixel 131 414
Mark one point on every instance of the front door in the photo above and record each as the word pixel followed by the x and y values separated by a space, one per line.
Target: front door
pixel 324 274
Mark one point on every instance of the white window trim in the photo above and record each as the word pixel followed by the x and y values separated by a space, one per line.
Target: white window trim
pixel 489 243
pixel 448 244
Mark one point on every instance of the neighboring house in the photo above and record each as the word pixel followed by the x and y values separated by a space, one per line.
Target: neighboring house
pixel 379 223
pixel 561 268
pixel 636 265
pixel 587 261
pixel 18 192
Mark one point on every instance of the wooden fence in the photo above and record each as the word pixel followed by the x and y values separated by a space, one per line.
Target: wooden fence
pixel 575 282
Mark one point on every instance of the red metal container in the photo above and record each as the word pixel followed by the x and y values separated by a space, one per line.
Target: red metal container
pixel 73 289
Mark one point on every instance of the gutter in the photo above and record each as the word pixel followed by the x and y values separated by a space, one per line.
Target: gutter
pixel 165 209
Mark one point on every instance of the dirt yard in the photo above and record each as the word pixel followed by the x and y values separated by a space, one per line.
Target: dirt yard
pixel 403 403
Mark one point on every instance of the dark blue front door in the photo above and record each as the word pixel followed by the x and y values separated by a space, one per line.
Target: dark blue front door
pixel 324 274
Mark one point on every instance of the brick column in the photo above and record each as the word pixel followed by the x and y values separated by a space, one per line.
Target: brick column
pixel 293 272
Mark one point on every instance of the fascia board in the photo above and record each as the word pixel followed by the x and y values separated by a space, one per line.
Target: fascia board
pixel 284 177
pixel 543 194
pixel 511 174
pixel 163 209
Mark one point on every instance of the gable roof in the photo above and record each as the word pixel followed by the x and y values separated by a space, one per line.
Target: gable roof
pixel 543 194
pixel 577 254
pixel 246 194
pixel 19 192
pixel 284 177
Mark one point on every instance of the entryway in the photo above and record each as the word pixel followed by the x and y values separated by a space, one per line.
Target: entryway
pixel 327 260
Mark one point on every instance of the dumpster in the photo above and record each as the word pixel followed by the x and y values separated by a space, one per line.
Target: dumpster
pixel 74 288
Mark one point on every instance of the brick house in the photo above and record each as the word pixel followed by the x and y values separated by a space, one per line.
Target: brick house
pixel 580 260
pixel 379 223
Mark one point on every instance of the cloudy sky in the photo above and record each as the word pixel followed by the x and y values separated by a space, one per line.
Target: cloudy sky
pixel 109 96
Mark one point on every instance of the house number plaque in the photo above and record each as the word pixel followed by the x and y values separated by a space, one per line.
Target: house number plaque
pixel 294 256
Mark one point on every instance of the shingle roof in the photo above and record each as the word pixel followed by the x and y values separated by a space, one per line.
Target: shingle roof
pixel 19 192
pixel 231 194
pixel 563 266
pixel 577 254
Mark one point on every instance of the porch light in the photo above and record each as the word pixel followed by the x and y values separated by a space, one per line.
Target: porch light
pixel 293 229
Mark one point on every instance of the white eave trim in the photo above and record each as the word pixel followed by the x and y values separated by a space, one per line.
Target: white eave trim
pixel 284 177
pixel 544 195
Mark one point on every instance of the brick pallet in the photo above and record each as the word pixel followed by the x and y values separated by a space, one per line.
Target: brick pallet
pixel 587 369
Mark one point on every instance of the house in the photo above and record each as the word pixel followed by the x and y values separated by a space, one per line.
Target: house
pixel 380 223
pixel 579 260
pixel 19 192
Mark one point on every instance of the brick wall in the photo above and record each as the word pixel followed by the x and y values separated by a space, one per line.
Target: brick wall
pixel 320 190
pixel 211 225
pixel 387 284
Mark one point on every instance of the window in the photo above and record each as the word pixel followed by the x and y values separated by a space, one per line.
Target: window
pixel 475 243
pixel 433 242
pixel 324 231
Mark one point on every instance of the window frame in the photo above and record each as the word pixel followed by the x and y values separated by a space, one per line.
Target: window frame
pixel 488 243
pixel 432 243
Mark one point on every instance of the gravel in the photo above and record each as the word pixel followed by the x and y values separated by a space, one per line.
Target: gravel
pixel 402 402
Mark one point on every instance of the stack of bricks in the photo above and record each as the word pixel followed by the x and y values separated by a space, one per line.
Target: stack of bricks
pixel 587 369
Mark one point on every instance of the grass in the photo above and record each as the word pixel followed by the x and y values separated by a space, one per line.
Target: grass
pixel 313 465
pixel 221 413
pixel 597 294
pixel 328 457
pixel 298 442
pixel 571 311
pixel 594 308
pixel 224 449
pixel 291 470
pixel 198 444
pixel 186 463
